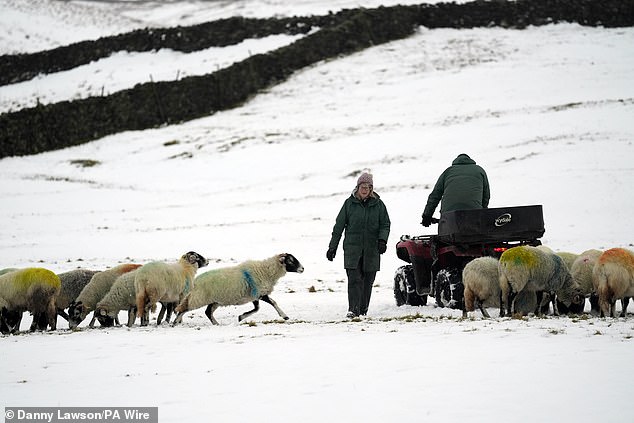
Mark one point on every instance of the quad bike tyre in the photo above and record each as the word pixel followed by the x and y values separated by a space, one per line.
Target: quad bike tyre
pixel 405 288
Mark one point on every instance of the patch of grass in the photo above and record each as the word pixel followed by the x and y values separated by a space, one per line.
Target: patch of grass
pixel 173 142
pixel 85 162
pixel 598 332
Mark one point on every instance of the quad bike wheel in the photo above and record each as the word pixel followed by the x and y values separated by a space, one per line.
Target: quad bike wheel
pixel 405 287
pixel 448 288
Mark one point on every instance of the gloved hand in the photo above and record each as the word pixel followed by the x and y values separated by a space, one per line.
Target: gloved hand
pixel 330 254
pixel 382 246
pixel 426 220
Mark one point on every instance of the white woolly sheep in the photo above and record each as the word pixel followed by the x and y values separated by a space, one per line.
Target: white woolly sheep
pixel 481 281
pixel 531 268
pixel 122 296
pixel 249 281
pixel 32 289
pixel 480 278
pixel 165 282
pixel 614 278
pixel 93 292
pixel 581 271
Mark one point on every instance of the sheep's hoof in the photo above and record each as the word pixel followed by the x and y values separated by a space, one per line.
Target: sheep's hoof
pixel 285 317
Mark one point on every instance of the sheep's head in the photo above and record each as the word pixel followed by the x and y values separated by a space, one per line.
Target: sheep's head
pixel 291 263
pixel 193 257
pixel 105 317
pixel 9 321
pixel 77 312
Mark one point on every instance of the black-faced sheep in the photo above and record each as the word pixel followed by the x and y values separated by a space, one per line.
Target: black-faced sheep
pixel 614 278
pixel 72 284
pixel 32 289
pixel 249 281
pixel 93 292
pixel 166 283
pixel 530 268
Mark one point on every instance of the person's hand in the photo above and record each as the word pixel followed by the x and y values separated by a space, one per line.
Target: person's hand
pixel 426 220
pixel 382 246
pixel 330 254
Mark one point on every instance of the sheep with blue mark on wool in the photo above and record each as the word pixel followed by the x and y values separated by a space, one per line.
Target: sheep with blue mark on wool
pixel 93 292
pixel 530 268
pixel 250 281
pixel 614 279
pixel 165 282
pixel 32 289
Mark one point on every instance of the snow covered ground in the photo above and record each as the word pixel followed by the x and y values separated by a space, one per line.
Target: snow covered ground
pixel 546 111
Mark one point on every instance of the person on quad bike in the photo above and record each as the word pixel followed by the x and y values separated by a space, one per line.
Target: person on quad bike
pixel 366 222
pixel 462 186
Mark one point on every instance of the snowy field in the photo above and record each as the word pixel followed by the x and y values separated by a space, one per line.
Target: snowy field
pixel 547 111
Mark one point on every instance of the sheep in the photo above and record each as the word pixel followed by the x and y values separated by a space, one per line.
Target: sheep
pixel 32 289
pixel 614 278
pixel 167 283
pixel 581 271
pixel 72 284
pixel 249 281
pixel 96 289
pixel 480 278
pixel 122 296
pixel 534 269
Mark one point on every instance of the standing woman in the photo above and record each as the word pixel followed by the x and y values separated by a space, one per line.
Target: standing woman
pixel 364 218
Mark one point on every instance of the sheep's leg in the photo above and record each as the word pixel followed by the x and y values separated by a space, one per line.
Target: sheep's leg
pixel 209 312
pixel 170 310
pixel 269 300
pixel 116 320
pixel 131 316
pixel 159 319
pixel 624 302
pixel 92 321
pixel 483 310
pixel 256 307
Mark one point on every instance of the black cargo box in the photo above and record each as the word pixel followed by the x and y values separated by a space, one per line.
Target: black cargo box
pixel 486 225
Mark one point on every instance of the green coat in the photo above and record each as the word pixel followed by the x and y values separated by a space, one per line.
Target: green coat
pixel 364 223
pixel 462 186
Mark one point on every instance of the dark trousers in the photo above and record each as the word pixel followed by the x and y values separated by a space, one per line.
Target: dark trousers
pixel 359 289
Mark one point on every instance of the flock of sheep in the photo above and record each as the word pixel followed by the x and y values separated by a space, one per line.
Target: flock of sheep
pixel 565 279
pixel 137 288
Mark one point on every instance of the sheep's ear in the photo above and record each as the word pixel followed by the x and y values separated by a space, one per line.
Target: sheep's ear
pixel 282 258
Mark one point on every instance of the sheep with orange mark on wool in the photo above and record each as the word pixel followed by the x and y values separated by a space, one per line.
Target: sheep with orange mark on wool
pixel 93 292
pixel 249 281
pixel 530 268
pixel 165 282
pixel 614 278
pixel 32 289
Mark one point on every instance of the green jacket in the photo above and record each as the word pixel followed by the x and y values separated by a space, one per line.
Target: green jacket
pixel 365 223
pixel 462 186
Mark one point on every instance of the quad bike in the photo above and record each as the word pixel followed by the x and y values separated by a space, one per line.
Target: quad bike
pixel 436 261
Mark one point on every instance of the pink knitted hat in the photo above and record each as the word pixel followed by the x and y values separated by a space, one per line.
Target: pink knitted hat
pixel 365 178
